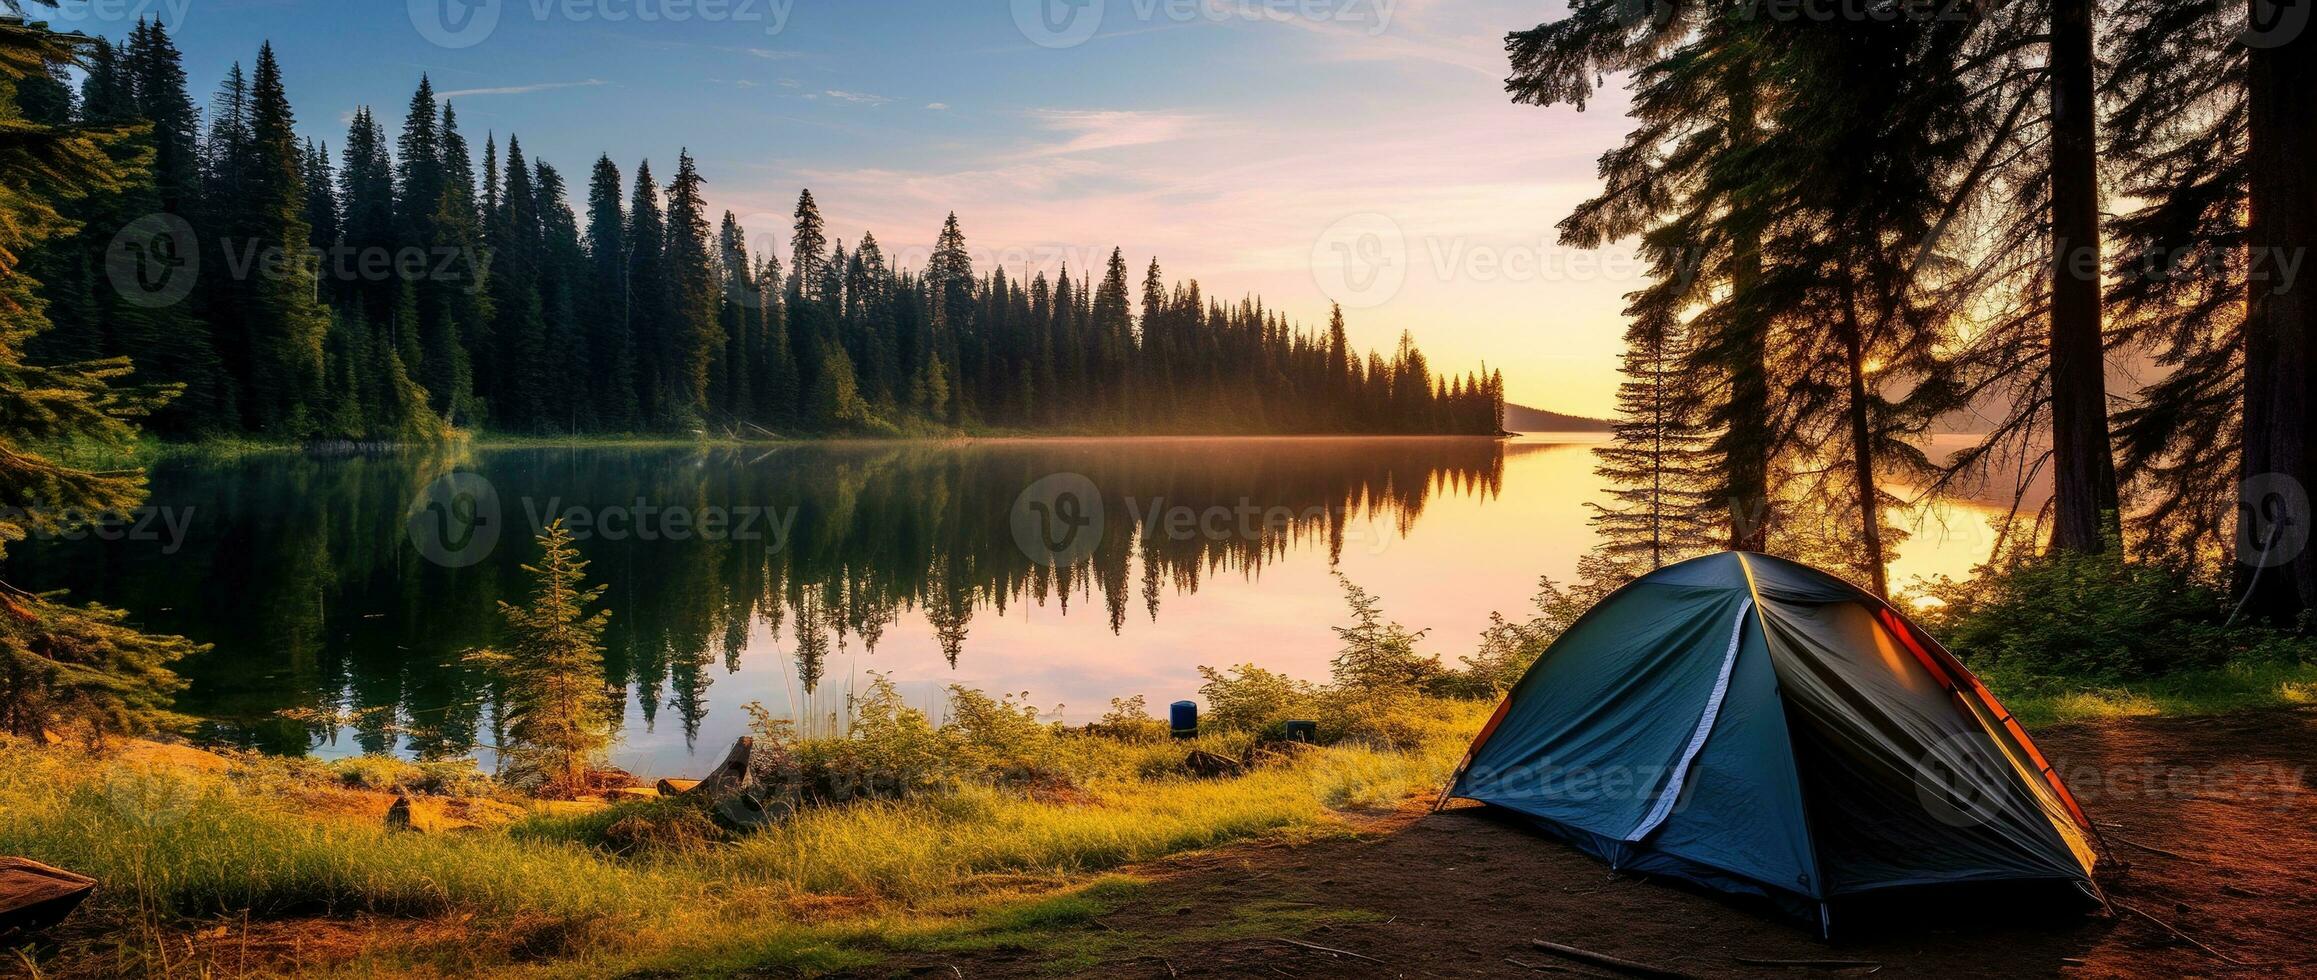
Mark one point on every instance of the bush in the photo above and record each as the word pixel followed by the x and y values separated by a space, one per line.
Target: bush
pixel 1129 721
pixel 1378 655
pixel 387 774
pixel 1508 648
pixel 2093 618
pixel 1250 698
pixel 672 827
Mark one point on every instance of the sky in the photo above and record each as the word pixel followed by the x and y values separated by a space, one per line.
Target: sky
pixel 1307 151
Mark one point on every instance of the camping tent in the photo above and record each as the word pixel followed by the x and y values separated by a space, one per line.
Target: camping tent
pixel 1756 726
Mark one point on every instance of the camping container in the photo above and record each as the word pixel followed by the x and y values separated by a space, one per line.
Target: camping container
pixel 1306 732
pixel 1185 719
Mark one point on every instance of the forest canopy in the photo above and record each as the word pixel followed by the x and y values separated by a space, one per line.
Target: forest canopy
pixel 404 284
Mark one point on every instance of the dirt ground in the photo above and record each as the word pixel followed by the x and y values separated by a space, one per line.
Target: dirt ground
pixel 2216 819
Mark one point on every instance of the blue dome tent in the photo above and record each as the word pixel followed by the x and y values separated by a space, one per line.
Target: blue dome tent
pixel 1755 726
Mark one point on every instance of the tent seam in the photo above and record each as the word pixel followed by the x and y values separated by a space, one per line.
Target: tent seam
pixel 1663 808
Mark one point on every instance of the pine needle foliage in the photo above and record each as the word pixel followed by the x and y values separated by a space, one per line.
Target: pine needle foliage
pixel 63 668
pixel 557 716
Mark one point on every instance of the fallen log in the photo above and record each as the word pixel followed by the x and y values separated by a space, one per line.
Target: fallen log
pixel 1606 961
pixel 34 896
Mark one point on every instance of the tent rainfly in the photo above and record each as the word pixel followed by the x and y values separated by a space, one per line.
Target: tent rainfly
pixel 1759 727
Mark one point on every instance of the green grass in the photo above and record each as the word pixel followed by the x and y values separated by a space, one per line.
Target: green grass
pixel 2196 692
pixel 836 887
pixel 971 867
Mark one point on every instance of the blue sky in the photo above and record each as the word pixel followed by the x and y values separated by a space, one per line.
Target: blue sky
pixel 1360 150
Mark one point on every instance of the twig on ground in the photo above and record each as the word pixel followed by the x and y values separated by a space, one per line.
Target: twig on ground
pixel 1317 948
pixel 1549 968
pixel 2129 842
pixel 1868 965
pixel 1619 964
pixel 2184 937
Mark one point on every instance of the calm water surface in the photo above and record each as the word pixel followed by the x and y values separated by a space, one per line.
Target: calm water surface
pixel 784 576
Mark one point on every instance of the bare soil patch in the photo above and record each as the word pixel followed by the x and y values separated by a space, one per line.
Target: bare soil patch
pixel 2215 817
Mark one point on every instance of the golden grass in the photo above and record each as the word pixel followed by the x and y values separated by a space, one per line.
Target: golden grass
pixel 833 888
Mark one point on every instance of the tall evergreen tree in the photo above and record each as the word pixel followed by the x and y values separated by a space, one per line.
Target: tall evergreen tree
pixel 268 238
pixel 610 351
pixel 2086 510
pixel 650 301
pixel 513 372
pixel 64 669
pixel 692 333
pixel 1695 77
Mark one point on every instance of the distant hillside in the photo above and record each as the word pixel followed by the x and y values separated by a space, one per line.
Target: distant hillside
pixel 1521 418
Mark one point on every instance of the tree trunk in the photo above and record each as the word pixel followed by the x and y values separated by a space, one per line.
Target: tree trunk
pixel 2084 499
pixel 1746 438
pixel 2280 320
pixel 1862 446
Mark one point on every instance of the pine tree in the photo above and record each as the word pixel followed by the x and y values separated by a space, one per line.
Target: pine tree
pixel 563 274
pixel 1695 77
pixel 286 324
pixel 650 303
pixel 1114 337
pixel 512 373
pixel 62 667
pixel 1657 464
pixel 371 228
pixel 693 335
pixel 610 352
pixel 740 318
pixel 455 312
pixel 553 706
pixel 163 102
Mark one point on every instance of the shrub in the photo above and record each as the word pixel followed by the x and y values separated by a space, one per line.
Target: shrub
pixel 1379 655
pixel 1129 720
pixel 1000 738
pixel 1508 648
pixel 387 774
pixel 672 826
pixel 2092 618
pixel 1250 698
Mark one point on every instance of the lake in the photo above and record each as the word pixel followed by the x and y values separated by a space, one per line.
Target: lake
pixel 1070 570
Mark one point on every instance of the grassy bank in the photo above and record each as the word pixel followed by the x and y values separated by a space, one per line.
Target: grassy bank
pixel 2240 687
pixel 193 861
pixel 198 860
